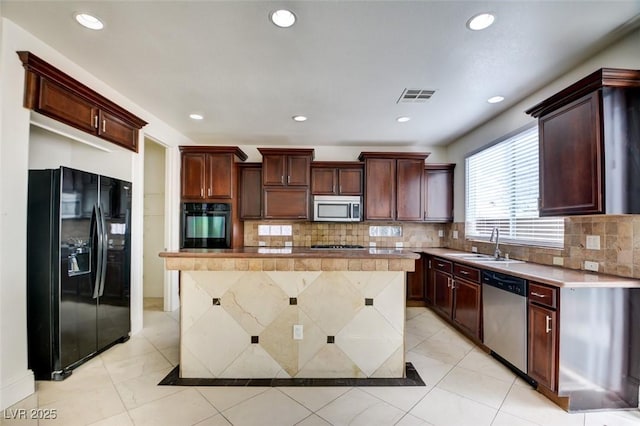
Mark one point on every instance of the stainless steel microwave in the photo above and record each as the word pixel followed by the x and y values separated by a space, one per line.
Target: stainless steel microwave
pixel 337 208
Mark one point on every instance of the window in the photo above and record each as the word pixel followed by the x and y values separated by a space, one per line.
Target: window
pixel 502 191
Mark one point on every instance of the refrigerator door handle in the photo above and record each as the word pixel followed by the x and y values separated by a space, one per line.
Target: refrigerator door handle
pixel 104 251
pixel 100 238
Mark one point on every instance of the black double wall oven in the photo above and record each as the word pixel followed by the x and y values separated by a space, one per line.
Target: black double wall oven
pixel 206 225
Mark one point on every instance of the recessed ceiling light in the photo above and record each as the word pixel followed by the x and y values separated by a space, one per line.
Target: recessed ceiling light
pixel 89 21
pixel 480 21
pixel 196 116
pixel 283 18
pixel 495 99
pixel 403 119
pixel 299 118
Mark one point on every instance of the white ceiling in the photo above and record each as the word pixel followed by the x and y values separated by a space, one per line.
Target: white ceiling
pixel 344 64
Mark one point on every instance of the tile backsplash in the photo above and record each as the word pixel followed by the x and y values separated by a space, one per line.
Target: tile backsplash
pixel 618 238
pixel 304 234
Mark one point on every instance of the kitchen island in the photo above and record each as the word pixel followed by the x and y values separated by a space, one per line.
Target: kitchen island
pixel 291 312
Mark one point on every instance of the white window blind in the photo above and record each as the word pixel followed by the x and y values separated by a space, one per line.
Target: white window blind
pixel 502 191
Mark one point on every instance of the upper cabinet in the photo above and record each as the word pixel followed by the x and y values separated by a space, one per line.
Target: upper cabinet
pixel 286 175
pixel 336 178
pixel 208 172
pixel 438 192
pixel 250 177
pixel 53 93
pixel 589 146
pixel 393 188
pixel 286 167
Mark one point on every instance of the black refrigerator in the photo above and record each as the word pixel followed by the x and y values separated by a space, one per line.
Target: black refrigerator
pixel 78 268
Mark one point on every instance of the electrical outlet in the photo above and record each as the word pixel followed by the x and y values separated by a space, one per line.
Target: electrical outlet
pixel 455 235
pixel 474 249
pixel 297 332
pixel 557 260
pixel 261 243
pixel 441 233
pixel 399 245
pixel 593 242
pixel 591 266
pixel 372 244
pixel 288 243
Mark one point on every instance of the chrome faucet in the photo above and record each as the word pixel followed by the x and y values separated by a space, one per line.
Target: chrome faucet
pixel 496 233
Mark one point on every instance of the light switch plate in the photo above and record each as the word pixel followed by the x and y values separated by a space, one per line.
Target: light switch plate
pixel 591 266
pixel 440 233
pixel 288 244
pixel 455 235
pixel 372 244
pixel 297 332
pixel 399 245
pixel 474 249
pixel 593 242
pixel 261 244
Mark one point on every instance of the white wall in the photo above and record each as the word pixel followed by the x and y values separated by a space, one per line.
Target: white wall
pixel 16 381
pixel 154 217
pixel 623 54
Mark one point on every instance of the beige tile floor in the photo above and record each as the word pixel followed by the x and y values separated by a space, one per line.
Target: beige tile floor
pixel 464 387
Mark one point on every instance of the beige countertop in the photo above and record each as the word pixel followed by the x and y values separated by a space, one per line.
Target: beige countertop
pixel 552 275
pixel 294 252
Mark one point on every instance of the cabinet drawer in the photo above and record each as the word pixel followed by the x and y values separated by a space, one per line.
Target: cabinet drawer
pixel 543 295
pixel 442 265
pixel 466 272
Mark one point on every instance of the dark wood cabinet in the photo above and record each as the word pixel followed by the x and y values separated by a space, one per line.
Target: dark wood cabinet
pixel 415 282
pixel 409 179
pixel 589 157
pixel 336 178
pixel 291 167
pixel 543 335
pixel 53 93
pixel 286 176
pixel 442 290
pixel 428 280
pixel 208 173
pixel 467 305
pixel 393 185
pixel 286 203
pixel 250 193
pixel 457 295
pixel 438 192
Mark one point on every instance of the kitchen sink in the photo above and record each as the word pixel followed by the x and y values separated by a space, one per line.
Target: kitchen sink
pixel 472 256
pixel 499 261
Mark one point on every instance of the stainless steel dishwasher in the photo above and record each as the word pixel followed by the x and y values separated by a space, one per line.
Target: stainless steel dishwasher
pixel 504 303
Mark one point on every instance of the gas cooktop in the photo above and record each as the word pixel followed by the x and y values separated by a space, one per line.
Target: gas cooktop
pixel 337 246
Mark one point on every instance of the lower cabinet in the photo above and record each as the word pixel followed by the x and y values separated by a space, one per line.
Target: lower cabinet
pixel 457 295
pixel 543 335
pixel 416 281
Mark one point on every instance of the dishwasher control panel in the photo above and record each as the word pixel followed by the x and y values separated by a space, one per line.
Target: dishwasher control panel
pixel 505 282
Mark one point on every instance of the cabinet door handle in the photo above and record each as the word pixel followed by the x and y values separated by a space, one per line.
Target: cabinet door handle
pixel 282 180
pixel 453 284
pixel 208 192
pixel 464 272
pixel 334 188
pixel 548 324
pixel 340 189
pixel 429 263
pixel 441 264
pixel 104 126
pixel 95 121
pixel 533 293
pixel 288 179
pixel 201 193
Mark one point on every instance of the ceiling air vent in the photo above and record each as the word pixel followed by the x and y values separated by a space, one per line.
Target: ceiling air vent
pixel 415 95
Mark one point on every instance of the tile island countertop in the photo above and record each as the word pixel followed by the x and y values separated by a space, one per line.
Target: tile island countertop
pixel 553 275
